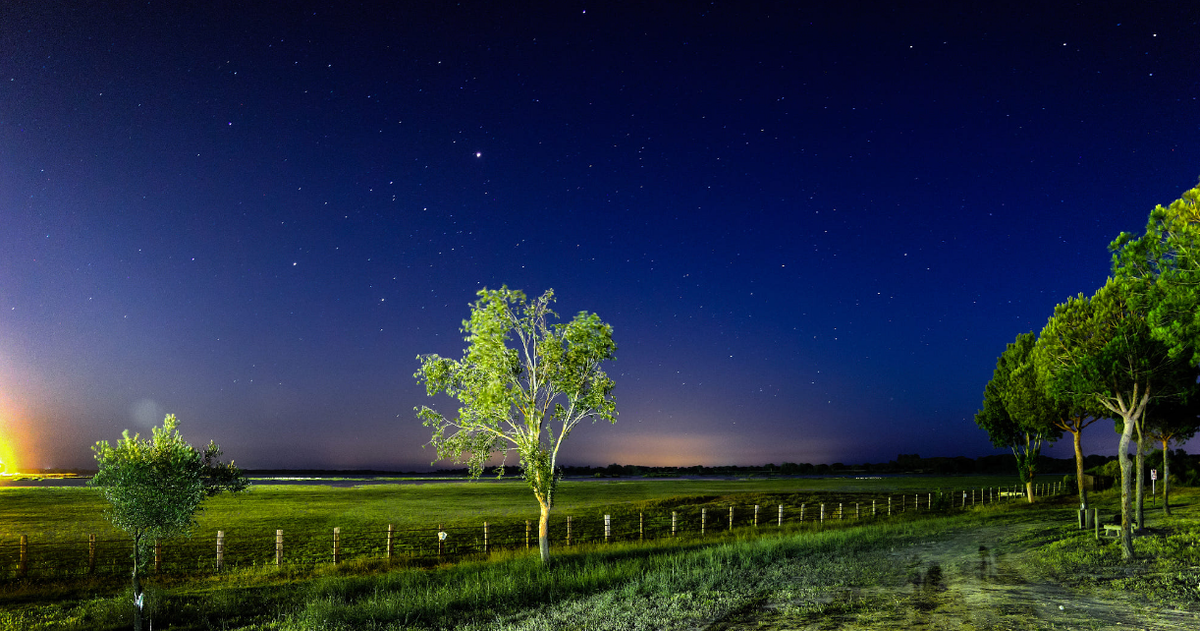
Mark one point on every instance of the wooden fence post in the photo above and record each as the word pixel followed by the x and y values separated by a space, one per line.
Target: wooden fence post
pixel 279 547
pixel 641 526
pixel 607 527
pixel 441 537
pixel 889 506
pixel 485 537
pixel 527 529
pixel 568 531
pixel 703 520
pixel 731 516
pixel 822 512
pixel 91 553
pixel 337 544
pixel 839 511
pixel 157 556
pixel 220 549
pixel 23 564
pixel 929 505
pixel 781 516
pixel 391 531
pixel 872 508
pixel 756 515
pixel 802 512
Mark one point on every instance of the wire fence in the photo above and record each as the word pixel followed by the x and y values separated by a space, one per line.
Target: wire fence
pixel 210 551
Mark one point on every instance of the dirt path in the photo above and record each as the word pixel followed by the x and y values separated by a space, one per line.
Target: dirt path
pixel 973 579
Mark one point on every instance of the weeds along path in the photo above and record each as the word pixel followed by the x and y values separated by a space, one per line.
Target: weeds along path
pixel 972 578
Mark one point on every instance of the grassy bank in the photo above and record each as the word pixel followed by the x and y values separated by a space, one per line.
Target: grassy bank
pixel 659 585
pixel 798 575
pixel 58 521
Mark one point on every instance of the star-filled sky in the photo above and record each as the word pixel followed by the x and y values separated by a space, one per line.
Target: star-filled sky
pixel 812 229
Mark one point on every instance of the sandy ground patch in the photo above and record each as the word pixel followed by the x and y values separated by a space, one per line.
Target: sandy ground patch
pixel 973 579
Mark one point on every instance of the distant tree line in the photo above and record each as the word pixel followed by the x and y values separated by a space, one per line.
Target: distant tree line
pixel 904 464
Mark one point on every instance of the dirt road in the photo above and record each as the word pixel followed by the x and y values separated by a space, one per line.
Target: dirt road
pixel 977 579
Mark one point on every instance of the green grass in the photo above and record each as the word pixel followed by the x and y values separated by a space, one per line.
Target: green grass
pixel 1166 567
pixel 73 510
pixel 657 584
pixel 59 520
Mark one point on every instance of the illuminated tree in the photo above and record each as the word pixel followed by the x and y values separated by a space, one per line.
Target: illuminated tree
pixel 1168 252
pixel 1030 396
pixel 154 489
pixel 1099 350
pixel 1016 411
pixel 524 385
pixel 1165 262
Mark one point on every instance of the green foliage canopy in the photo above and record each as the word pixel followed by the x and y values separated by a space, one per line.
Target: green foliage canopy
pixel 528 397
pixel 154 487
pixel 524 384
pixel 1168 253
pixel 1016 412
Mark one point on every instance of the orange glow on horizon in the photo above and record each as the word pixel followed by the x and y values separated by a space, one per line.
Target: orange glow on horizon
pixel 11 436
pixel 687 450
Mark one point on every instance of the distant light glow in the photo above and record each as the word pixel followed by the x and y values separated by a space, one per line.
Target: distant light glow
pixel 8 453
pixel 14 433
pixel 691 449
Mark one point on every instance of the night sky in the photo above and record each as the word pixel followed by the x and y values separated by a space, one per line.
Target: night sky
pixel 813 230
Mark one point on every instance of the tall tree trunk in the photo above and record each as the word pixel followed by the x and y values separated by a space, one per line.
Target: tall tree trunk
pixel 1141 478
pixel 1079 468
pixel 544 531
pixel 1029 490
pixel 1126 484
pixel 137 584
pixel 1166 479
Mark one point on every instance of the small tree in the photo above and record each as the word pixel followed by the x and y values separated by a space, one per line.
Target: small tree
pixel 1176 420
pixel 154 489
pixel 1016 412
pixel 528 396
pixel 1066 412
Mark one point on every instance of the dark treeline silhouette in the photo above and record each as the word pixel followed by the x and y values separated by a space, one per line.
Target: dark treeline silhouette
pixel 904 464
pixel 1185 468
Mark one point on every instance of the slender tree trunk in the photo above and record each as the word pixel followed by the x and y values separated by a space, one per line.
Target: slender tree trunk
pixel 1166 479
pixel 1126 484
pixel 1141 478
pixel 544 531
pixel 137 584
pixel 1029 490
pixel 1079 468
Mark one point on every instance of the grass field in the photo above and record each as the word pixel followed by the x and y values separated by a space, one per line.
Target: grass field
pixel 789 578
pixel 58 521
pixel 79 511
